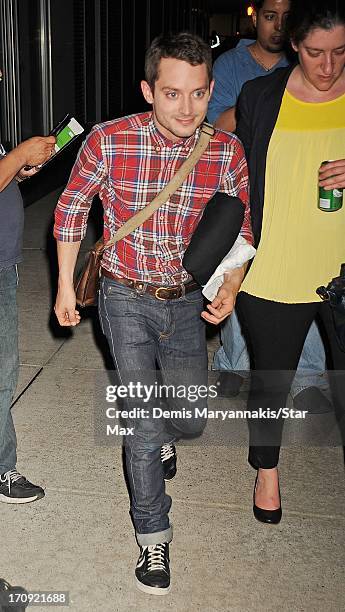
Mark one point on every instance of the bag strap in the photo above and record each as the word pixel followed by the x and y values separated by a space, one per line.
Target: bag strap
pixel 206 133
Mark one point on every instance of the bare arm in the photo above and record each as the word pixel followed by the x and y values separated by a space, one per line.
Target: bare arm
pixel 65 304
pixel 224 302
pixel 32 152
pixel 227 120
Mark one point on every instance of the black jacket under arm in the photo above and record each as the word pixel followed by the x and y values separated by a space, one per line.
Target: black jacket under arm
pixel 257 112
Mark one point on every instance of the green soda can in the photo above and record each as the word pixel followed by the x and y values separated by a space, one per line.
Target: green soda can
pixel 330 199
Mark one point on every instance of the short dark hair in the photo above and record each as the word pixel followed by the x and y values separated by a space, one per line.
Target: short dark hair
pixel 257 4
pixel 184 46
pixel 306 15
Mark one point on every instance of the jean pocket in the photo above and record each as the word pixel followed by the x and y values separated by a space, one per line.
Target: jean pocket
pixel 117 291
pixel 195 297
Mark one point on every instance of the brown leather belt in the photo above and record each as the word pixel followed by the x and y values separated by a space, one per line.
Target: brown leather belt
pixel 160 293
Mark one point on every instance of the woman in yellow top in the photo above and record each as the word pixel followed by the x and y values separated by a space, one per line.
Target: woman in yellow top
pixel 289 123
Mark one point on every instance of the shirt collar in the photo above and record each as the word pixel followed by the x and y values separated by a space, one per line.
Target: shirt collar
pixel 245 42
pixel 160 140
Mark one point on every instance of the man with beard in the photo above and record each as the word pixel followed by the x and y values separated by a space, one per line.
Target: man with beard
pixel 248 60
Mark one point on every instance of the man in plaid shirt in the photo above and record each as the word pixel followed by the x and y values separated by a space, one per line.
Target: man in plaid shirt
pixel 149 306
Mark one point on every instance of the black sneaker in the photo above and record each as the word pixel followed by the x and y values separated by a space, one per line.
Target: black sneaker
pixel 168 459
pixel 152 572
pixel 15 489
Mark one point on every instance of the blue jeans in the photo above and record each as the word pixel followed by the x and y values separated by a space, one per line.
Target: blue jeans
pixel 9 364
pixel 233 356
pixel 144 332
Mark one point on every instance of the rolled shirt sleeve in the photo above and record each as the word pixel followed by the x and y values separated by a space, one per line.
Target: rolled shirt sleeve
pixel 87 176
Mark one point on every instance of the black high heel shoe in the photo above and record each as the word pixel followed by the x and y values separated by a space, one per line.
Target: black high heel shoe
pixel 273 517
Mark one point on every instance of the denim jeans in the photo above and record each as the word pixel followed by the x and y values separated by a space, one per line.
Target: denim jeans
pixel 144 332
pixel 9 364
pixel 233 356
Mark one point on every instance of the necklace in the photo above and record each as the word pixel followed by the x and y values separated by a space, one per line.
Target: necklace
pixel 258 61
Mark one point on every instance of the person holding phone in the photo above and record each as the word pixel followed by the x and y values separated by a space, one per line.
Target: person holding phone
pixel 14 487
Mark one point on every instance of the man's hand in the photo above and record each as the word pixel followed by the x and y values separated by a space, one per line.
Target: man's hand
pixel 224 302
pixel 36 150
pixel 332 175
pixel 24 174
pixel 65 306
pixel 32 152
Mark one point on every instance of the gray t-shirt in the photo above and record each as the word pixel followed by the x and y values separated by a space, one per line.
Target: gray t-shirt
pixel 11 225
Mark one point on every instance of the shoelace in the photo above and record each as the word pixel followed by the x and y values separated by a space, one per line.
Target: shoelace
pixel 167 451
pixel 9 477
pixel 156 557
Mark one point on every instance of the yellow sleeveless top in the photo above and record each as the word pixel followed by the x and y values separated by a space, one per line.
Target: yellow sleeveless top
pixel 301 246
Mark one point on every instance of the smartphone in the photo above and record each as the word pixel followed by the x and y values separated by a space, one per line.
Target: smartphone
pixel 66 131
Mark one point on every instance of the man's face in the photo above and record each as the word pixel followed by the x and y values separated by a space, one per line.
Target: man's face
pixel 270 22
pixel 322 56
pixel 179 98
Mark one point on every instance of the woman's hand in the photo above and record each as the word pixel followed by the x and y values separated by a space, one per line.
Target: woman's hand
pixel 332 175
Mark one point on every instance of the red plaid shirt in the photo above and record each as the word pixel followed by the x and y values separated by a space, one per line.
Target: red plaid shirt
pixel 127 162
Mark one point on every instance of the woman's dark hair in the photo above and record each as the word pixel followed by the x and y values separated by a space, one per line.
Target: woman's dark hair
pixel 183 46
pixel 306 15
pixel 257 4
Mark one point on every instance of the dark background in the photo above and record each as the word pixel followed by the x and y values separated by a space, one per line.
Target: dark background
pixel 86 57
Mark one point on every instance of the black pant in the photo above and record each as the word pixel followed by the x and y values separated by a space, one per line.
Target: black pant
pixel 275 334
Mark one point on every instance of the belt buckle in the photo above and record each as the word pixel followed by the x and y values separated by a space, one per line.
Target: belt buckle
pixel 180 287
pixel 156 293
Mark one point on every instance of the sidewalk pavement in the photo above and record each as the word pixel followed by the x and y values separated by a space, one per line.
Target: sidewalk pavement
pixel 79 538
